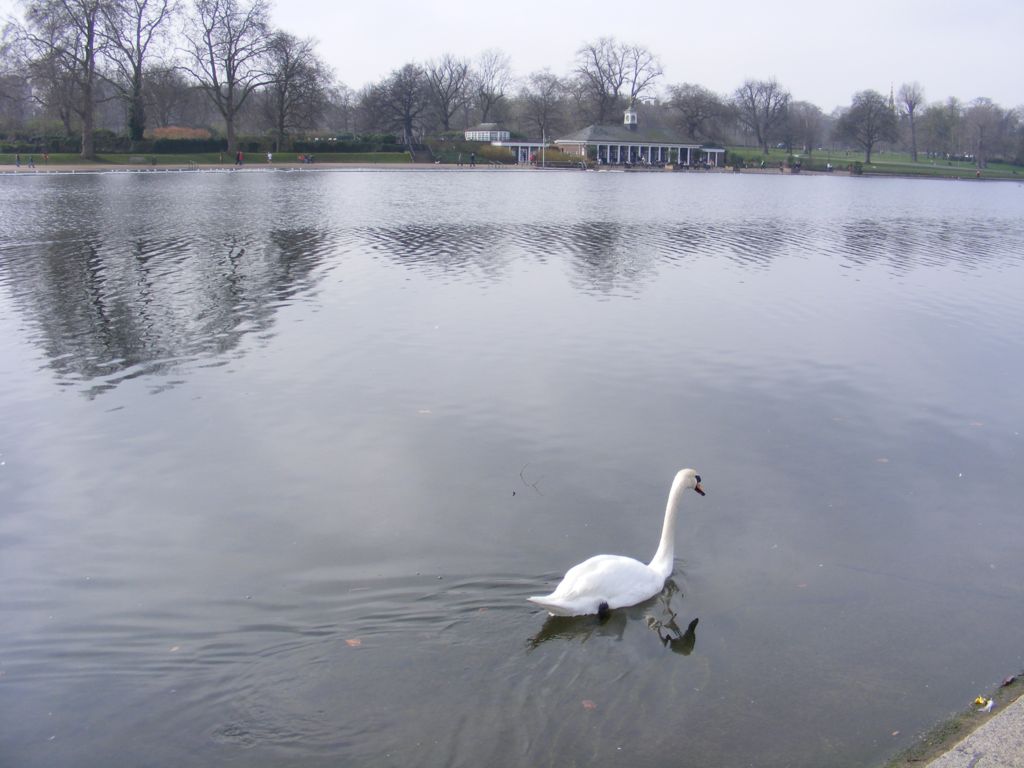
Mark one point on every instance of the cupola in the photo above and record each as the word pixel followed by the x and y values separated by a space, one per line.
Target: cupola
pixel 629 118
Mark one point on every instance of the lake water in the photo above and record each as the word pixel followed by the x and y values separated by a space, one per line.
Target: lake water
pixel 283 454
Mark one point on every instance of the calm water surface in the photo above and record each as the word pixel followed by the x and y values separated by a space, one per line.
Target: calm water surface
pixel 283 454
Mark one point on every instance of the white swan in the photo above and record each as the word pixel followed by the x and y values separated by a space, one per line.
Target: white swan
pixel 605 582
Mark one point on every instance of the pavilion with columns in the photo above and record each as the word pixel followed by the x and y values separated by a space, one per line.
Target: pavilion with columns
pixel 629 144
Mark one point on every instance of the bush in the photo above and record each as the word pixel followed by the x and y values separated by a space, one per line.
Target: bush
pixel 39 144
pixel 370 142
pixel 178 132
pixel 188 146
pixel 496 154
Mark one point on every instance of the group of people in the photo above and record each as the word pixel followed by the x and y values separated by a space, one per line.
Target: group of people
pixel 240 158
pixel 31 159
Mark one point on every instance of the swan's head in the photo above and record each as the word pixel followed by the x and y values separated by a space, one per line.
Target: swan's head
pixel 690 479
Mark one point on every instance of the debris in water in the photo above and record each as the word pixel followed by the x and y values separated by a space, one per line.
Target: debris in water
pixel 588 704
pixel 353 642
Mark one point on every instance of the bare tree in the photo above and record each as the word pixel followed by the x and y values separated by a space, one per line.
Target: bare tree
pixel 491 79
pixel 227 45
pixel 399 101
pixel 339 111
pixel 942 128
pixel 702 113
pixel 130 28
pixel 15 100
pixel 174 99
pixel 448 83
pixel 63 39
pixel 166 91
pixel 911 96
pixel 605 67
pixel 15 85
pixel 761 105
pixel 869 120
pixel 297 96
pixel 642 70
pixel 541 99
pixel 53 90
pixel 805 125
pixel 601 72
pixel 989 129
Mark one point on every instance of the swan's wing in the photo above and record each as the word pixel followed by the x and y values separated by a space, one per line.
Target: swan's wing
pixel 616 580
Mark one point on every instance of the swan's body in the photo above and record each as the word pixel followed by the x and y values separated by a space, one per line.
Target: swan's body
pixel 606 582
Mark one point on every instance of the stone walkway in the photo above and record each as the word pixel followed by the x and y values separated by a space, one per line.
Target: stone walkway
pixel 999 743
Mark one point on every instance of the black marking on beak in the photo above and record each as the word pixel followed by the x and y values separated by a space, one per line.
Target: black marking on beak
pixel 698 489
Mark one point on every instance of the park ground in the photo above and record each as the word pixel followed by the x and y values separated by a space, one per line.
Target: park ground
pixel 887 164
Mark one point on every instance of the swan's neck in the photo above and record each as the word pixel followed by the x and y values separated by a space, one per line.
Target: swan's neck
pixel 663 559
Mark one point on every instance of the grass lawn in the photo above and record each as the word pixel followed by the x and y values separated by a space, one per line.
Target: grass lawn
pixel 894 163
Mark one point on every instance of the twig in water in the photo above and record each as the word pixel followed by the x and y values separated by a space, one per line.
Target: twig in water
pixel 527 482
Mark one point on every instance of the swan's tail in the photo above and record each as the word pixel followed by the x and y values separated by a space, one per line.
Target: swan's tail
pixel 555 609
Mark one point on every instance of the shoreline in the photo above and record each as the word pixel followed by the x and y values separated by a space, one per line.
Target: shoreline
pixel 958 741
pixel 96 168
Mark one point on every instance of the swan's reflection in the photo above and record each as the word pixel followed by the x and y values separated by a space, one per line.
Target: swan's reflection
pixel 656 614
pixel 683 642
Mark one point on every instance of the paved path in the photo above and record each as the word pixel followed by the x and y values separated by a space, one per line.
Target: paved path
pixel 999 743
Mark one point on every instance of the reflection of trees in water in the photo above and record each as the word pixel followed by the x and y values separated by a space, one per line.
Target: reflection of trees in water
pixel 605 257
pixel 109 310
pixel 906 243
pixel 611 257
pixel 444 248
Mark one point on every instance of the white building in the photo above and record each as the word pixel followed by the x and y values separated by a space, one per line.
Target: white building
pixel 629 144
pixel 487 132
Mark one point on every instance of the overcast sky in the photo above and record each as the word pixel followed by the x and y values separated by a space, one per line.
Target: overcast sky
pixel 963 49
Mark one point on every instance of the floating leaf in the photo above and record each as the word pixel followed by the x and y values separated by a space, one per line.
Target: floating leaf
pixel 588 704
pixel 353 642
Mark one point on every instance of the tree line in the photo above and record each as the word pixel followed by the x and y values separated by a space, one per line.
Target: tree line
pixel 131 67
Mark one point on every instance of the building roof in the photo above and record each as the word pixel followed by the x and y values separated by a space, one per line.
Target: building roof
pixel 522 143
pixel 622 134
